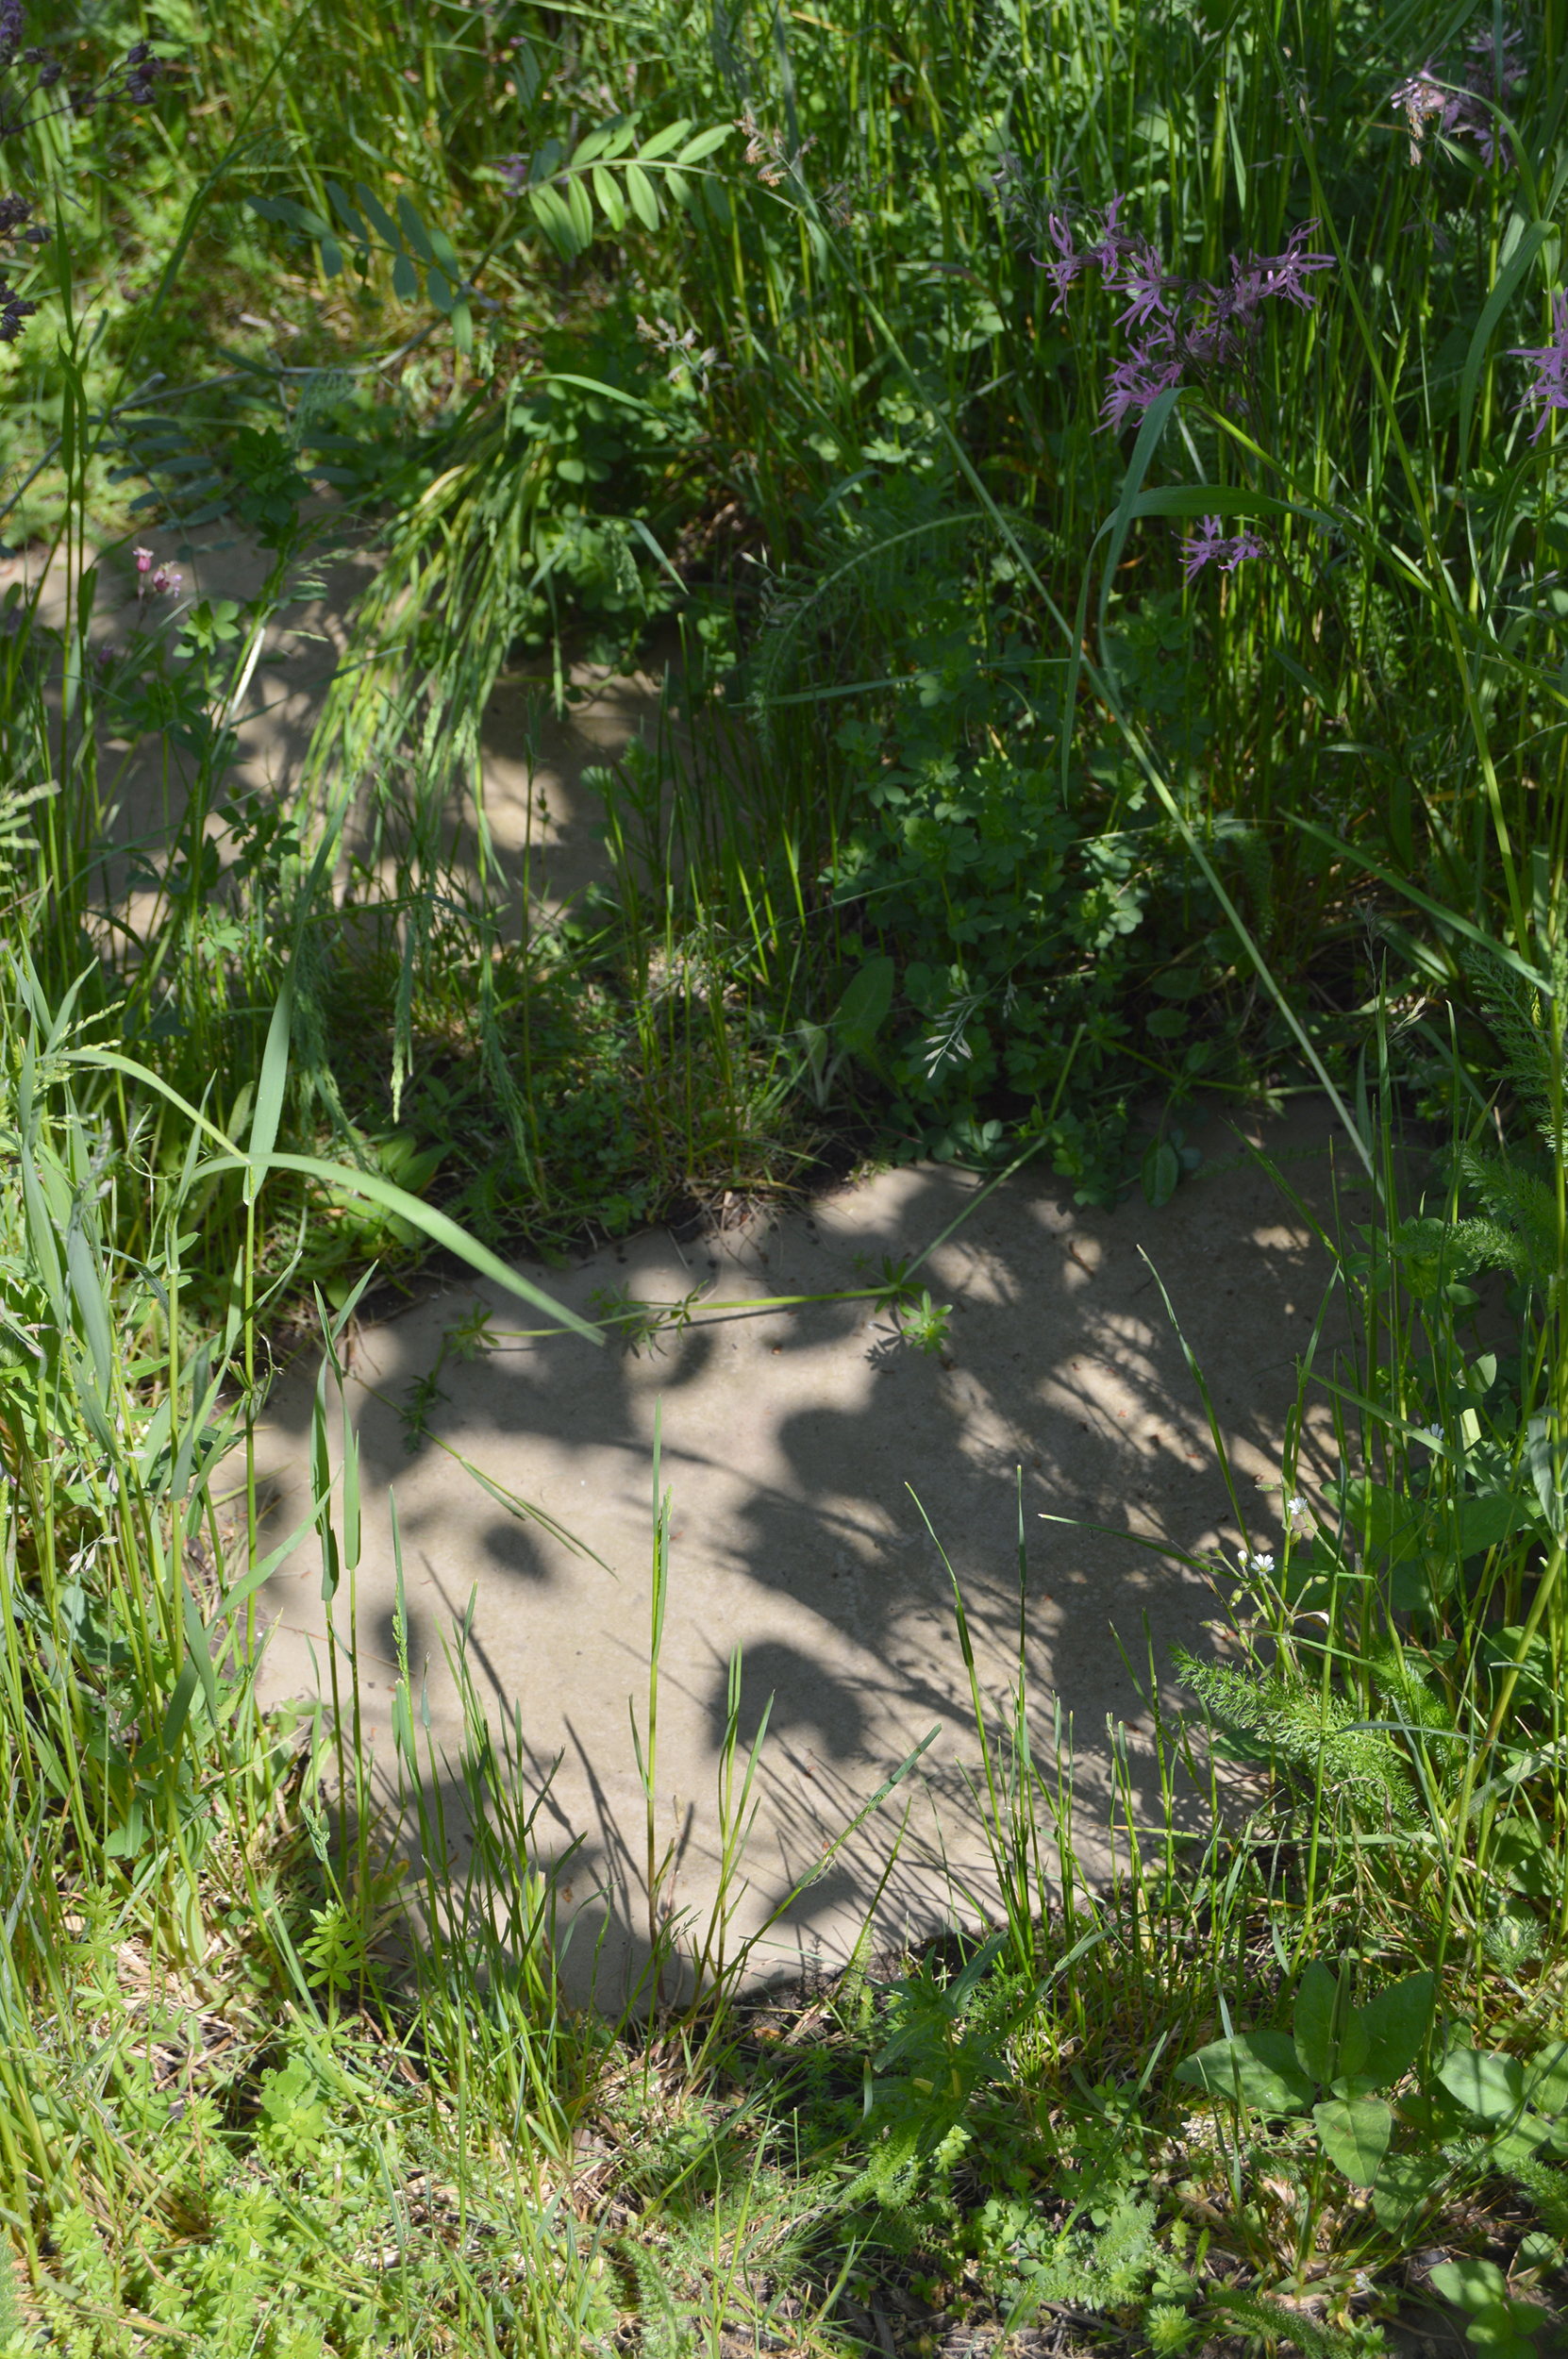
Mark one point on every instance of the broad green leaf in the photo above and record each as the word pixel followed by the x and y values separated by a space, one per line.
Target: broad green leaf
pixel 1402 2186
pixel 1313 2022
pixel 1547 2079
pixel 704 144
pixel 1355 2135
pixel 663 140
pixel 446 252
pixel 463 326
pixel 1475 2285
pixel 1261 2068
pixel 436 287
pixel 864 1006
pixel 331 257
pixel 1490 2086
pixel 1488 1522
pixel 415 235
pixel 1520 2141
pixel 404 278
pixel 1161 1173
pixel 1395 2023
pixel 611 204
pixel 644 201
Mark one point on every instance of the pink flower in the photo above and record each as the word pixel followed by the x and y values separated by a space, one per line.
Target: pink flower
pixel 1209 545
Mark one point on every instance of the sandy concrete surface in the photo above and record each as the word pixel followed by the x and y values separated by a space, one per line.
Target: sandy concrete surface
pixel 805 1450
pixel 544 815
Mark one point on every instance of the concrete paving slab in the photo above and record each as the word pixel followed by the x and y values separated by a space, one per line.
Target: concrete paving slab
pixel 810 1456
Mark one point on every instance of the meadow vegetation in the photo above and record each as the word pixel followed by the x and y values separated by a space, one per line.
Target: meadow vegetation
pixel 1091 473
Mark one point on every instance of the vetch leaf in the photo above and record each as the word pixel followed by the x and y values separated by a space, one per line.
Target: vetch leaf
pixel 1355 2135
pixel 414 232
pixel 346 214
pixel 640 191
pixel 704 144
pixel 439 292
pixel 581 212
pixel 611 204
pixel 663 140
pixel 404 278
pixel 378 214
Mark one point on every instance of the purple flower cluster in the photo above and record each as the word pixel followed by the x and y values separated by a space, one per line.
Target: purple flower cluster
pixel 1550 363
pixel 1462 109
pixel 16 311
pixel 1185 329
pixel 135 78
pixel 1210 546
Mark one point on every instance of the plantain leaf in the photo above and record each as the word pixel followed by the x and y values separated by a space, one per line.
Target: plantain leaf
pixel 1260 2068
pixel 1313 2022
pixel 1491 2087
pixel 1395 2023
pixel 1355 2135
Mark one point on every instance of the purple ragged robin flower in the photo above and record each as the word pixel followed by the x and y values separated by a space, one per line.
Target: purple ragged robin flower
pixel 1209 545
pixel 10 30
pixel 1550 363
pixel 1184 329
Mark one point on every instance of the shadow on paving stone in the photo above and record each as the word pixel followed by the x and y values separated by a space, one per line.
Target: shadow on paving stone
pixel 804 1451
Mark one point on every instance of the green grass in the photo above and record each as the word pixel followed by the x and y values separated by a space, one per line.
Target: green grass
pixel 1000 838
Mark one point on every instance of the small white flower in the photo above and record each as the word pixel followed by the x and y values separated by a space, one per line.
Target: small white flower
pixel 1298 1518
pixel 1261 1562
pixel 1429 1433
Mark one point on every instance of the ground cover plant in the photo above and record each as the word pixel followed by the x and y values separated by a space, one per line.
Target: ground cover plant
pixel 1100 474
